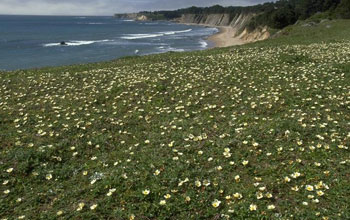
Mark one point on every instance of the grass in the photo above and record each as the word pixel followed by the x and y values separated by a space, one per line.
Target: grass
pixel 259 131
pixel 328 31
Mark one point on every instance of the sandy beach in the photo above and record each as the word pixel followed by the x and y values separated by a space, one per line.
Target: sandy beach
pixel 225 38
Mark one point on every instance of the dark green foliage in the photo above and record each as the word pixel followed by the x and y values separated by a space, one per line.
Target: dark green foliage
pixel 275 15
pixel 283 17
pixel 287 12
pixel 343 10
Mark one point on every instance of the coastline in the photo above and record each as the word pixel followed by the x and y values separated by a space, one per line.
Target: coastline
pixel 224 38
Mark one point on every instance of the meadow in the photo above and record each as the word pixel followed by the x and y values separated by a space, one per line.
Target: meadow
pixel 260 131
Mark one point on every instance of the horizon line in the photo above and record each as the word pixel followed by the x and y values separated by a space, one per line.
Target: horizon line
pixel 56 15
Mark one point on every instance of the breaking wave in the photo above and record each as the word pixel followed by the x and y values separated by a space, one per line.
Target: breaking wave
pixel 74 43
pixel 159 34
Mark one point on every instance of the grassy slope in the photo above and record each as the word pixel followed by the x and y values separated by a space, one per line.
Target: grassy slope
pixel 102 133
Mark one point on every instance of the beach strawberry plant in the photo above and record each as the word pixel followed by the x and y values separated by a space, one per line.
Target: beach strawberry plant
pixel 254 132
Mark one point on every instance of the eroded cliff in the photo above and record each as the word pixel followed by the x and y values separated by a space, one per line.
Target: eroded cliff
pixel 132 16
pixel 239 23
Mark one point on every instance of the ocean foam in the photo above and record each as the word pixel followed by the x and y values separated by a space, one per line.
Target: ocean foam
pixel 140 36
pixel 175 32
pixel 74 43
pixel 203 44
pixel 168 49
pixel 184 31
pixel 159 34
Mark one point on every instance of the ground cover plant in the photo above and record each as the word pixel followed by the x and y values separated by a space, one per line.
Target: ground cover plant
pixel 254 132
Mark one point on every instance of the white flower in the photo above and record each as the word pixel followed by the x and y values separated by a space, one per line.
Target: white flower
pixel 271 207
pixel 9 170
pixel 259 195
pixel 237 195
pixel 320 193
pixel 198 183
pixel 309 188
pixel 227 154
pixel 146 192
pixel 80 206
pixel 253 207
pixel 111 191
pixel 216 203
pixel 48 176
pixel 263 188
pixel 206 182
pixel 315 201
pixel 287 179
pixel 268 195
pixel 93 207
pixel 245 162
pixel 295 188
pixel 295 175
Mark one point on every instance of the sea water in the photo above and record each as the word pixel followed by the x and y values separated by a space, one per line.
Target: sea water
pixel 35 41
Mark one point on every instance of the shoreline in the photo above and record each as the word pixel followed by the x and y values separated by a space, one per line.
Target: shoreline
pixel 223 38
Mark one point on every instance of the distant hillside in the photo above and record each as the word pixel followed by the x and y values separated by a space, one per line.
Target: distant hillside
pixel 274 15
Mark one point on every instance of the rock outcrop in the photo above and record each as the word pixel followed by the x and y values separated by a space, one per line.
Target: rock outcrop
pixel 258 34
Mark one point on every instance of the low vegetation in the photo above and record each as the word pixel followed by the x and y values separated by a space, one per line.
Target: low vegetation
pixel 260 131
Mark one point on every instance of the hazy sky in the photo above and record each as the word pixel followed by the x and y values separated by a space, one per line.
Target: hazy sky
pixel 105 7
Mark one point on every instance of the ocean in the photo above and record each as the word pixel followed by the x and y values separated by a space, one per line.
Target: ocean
pixel 35 41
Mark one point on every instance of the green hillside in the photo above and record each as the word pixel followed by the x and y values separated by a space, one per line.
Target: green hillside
pixel 260 131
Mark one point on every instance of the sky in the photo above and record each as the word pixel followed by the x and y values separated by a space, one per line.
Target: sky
pixel 106 7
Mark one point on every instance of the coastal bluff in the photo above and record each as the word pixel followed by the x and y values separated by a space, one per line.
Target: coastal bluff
pixel 132 16
pixel 239 23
